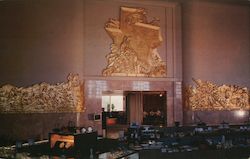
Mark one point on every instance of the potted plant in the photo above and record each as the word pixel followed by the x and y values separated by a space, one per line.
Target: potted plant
pixel 112 107
pixel 108 107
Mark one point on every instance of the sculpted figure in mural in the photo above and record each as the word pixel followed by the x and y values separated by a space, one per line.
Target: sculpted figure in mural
pixel 134 48
pixel 40 98
pixel 208 96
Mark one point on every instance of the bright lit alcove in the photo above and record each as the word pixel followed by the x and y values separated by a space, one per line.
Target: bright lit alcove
pixel 112 101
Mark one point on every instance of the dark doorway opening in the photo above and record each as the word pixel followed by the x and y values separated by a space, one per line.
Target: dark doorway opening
pixel 146 107
pixel 154 108
pixel 139 107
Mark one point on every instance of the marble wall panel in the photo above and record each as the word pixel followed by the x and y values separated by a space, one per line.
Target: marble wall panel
pixel 94 89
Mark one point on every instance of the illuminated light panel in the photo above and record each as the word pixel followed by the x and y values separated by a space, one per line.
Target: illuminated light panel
pixel 68 139
pixel 95 88
pixel 141 86
pixel 240 113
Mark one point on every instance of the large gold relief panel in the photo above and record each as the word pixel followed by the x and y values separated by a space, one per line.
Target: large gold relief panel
pixel 209 96
pixel 134 48
pixel 44 98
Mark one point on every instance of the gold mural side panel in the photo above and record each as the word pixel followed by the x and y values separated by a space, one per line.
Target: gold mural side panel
pixel 208 96
pixel 134 49
pixel 44 98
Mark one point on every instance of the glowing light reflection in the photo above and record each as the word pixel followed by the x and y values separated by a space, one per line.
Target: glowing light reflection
pixel 240 113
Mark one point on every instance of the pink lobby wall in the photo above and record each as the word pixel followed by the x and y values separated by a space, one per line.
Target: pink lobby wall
pixel 216 40
pixel 97 46
pixel 40 41
pixel 43 41
pixel 216 47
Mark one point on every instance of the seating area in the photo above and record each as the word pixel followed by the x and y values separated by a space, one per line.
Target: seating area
pixel 222 141
pixel 176 139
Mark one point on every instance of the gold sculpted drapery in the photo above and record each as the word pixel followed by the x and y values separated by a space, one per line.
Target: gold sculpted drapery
pixel 134 48
pixel 43 98
pixel 208 96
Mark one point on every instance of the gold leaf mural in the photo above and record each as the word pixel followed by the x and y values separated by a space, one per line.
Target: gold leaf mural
pixel 208 96
pixel 42 98
pixel 134 47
